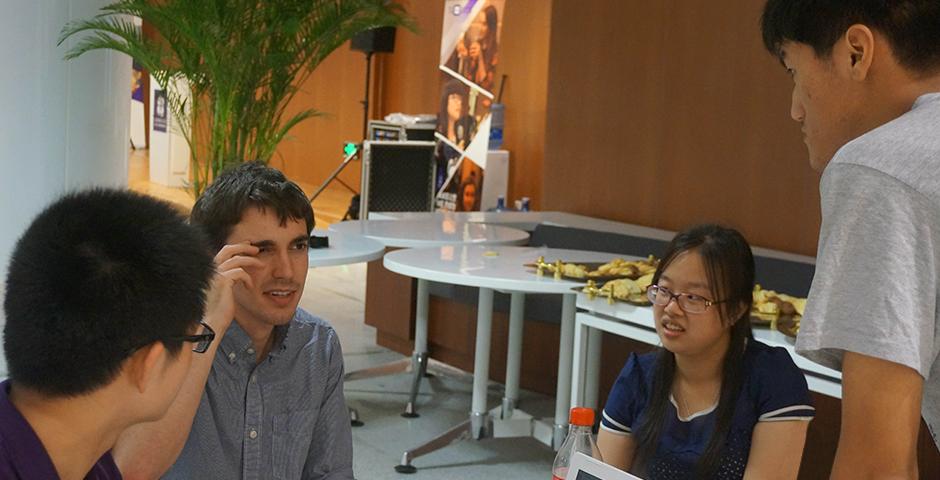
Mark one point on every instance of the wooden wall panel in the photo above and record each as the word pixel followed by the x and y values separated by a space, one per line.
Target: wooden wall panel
pixel 409 77
pixel 524 56
pixel 670 113
pixel 315 147
pixel 408 81
pixel 390 300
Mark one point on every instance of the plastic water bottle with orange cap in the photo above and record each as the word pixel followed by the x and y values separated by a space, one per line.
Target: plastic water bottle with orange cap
pixel 580 439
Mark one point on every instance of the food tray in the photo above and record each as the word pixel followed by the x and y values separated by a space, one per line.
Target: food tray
pixel 644 303
pixel 591 266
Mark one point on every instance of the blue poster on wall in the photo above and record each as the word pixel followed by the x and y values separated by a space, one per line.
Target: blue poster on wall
pixel 137 89
pixel 159 110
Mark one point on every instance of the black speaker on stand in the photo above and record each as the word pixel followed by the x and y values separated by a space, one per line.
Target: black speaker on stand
pixel 376 40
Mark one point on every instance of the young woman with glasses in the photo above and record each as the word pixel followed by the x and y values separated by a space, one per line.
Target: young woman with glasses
pixel 712 402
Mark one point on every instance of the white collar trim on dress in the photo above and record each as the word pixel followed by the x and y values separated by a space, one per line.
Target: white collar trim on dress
pixel 694 415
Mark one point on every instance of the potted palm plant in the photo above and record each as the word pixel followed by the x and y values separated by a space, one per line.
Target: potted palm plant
pixel 231 67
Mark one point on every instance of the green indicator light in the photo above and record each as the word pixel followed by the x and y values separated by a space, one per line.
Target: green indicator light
pixel 349 149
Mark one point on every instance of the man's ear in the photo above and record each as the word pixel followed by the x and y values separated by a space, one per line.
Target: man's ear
pixel 859 43
pixel 145 364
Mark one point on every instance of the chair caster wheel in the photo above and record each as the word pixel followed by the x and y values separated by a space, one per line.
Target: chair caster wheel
pixel 405 469
pixel 356 423
pixel 410 414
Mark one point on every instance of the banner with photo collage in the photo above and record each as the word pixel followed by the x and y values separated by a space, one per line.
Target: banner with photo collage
pixel 468 64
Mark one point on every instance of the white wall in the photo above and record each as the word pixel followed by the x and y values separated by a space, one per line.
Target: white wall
pixel 63 125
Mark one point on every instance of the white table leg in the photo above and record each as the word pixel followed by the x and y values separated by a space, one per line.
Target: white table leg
pixel 592 369
pixel 563 390
pixel 577 364
pixel 481 365
pixel 419 359
pixel 421 317
pixel 514 353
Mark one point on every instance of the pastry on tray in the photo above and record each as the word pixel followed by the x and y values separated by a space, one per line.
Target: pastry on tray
pixel 619 267
pixel 599 272
pixel 777 310
pixel 573 270
pixel 625 289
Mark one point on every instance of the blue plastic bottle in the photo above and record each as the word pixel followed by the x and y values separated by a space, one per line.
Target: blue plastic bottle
pixel 497 111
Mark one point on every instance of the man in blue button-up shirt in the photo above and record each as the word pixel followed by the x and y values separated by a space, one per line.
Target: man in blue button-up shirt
pixel 270 404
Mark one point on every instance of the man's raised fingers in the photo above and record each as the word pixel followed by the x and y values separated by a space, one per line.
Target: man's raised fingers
pixel 239 261
pixel 235 249
pixel 239 275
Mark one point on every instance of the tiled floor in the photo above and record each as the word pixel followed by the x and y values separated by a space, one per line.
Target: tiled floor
pixel 337 294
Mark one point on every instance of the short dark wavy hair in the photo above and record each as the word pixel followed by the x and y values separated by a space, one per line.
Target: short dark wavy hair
pixel 911 26
pixel 250 184
pixel 97 275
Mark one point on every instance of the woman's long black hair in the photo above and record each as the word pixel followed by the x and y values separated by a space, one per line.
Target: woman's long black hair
pixel 452 87
pixel 729 264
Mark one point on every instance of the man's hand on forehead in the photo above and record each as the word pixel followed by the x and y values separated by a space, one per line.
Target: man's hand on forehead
pixel 237 256
pixel 230 265
pixel 242 248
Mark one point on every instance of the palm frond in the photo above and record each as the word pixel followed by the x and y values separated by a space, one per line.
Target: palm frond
pixel 231 67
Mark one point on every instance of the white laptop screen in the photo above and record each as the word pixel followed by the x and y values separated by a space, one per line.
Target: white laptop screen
pixel 584 467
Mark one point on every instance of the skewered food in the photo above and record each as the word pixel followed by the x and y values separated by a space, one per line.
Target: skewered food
pixel 623 288
pixel 779 310
pixel 772 303
pixel 574 270
pixel 626 268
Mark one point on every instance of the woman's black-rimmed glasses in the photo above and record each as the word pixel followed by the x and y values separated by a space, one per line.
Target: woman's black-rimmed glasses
pixel 688 302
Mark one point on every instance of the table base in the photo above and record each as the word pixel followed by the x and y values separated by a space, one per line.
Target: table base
pixel 492 424
pixel 419 363
pixel 505 420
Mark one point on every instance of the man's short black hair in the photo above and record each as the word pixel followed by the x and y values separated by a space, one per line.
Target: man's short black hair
pixel 251 184
pixel 97 275
pixel 911 26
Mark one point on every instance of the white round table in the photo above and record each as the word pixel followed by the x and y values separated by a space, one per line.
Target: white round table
pixel 501 268
pixel 432 232
pixel 344 249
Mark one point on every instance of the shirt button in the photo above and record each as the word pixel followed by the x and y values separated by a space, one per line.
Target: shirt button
pixel 254 379
pixel 253 434
pixel 231 356
pixel 251 351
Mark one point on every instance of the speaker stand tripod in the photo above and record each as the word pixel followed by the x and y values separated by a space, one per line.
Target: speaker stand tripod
pixel 352 213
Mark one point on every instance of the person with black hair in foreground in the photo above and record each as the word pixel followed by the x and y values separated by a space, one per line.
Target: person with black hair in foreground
pixel 269 402
pixel 866 90
pixel 712 402
pixel 104 306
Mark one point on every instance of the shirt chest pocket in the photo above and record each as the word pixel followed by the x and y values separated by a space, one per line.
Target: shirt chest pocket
pixel 292 434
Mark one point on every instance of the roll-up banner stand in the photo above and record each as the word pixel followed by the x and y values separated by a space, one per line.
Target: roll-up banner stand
pixel 469 64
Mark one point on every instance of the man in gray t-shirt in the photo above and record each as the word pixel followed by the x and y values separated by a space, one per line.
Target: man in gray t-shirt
pixel 867 93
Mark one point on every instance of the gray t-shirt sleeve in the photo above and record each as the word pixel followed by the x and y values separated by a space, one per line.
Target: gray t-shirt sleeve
pixel 875 287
